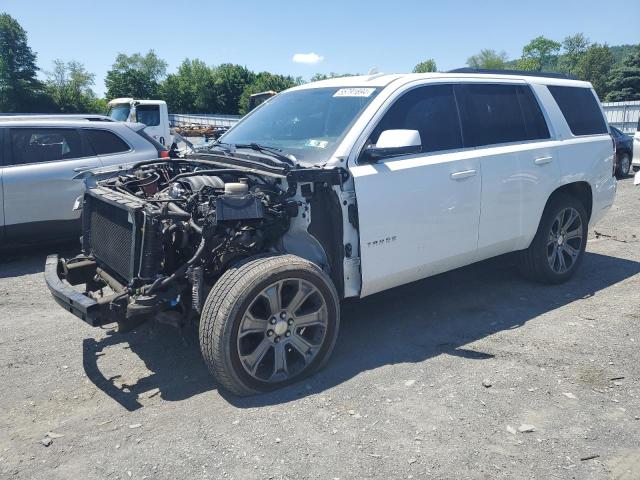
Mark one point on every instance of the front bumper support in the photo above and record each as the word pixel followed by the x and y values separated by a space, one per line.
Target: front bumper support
pixel 87 309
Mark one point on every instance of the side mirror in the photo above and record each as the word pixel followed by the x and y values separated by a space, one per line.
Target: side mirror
pixel 392 143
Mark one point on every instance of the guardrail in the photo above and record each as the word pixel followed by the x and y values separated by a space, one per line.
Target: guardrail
pixel 624 116
pixel 183 119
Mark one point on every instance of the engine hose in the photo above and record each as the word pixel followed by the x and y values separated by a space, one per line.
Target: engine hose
pixel 163 282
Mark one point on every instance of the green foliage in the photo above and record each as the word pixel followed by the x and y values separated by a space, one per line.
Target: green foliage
pixel 20 90
pixel 192 89
pixel 488 59
pixel 230 83
pixel 69 86
pixel 265 81
pixel 198 88
pixel 528 65
pixel 135 76
pixel 426 66
pixel 574 47
pixel 542 51
pixel 326 76
pixel 594 66
pixel 624 83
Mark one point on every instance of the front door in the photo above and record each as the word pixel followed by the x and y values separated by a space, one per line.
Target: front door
pixel 419 213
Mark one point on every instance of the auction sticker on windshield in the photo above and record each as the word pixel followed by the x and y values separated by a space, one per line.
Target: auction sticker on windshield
pixel 316 143
pixel 354 92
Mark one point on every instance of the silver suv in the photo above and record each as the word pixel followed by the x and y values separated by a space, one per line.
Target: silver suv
pixel 39 159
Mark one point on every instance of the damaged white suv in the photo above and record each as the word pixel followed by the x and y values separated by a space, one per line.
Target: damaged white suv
pixel 335 189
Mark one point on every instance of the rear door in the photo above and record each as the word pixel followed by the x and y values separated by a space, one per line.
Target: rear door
pixel 38 185
pixel 506 126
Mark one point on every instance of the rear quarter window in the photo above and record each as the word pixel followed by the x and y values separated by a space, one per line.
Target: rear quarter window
pixel 104 142
pixel 580 108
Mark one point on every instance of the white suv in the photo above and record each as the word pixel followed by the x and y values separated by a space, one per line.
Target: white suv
pixel 341 188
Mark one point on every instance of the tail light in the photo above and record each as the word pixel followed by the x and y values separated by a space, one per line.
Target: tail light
pixel 613 142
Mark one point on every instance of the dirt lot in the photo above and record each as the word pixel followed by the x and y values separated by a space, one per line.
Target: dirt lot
pixel 432 380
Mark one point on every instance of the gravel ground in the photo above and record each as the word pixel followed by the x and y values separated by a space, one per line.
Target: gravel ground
pixel 471 374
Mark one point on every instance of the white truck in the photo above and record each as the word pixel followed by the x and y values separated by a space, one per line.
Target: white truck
pixel 336 189
pixel 153 113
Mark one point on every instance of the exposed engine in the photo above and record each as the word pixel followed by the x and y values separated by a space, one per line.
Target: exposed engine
pixel 184 224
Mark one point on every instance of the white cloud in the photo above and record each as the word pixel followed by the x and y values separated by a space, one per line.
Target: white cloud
pixel 309 58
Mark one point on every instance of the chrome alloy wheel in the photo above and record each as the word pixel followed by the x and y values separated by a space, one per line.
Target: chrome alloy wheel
pixel 282 330
pixel 564 244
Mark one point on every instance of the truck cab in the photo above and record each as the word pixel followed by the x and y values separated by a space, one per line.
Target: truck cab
pixel 153 113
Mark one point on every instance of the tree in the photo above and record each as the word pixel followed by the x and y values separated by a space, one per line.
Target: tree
pixel 20 90
pixel 325 76
pixel 426 66
pixel 69 86
pixel 150 64
pixel 231 81
pixel 265 81
pixel 574 47
pixel 135 76
pixel 624 83
pixel 542 51
pixel 192 89
pixel 594 66
pixel 528 64
pixel 488 59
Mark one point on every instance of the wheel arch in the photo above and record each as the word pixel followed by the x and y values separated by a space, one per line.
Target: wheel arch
pixel 581 190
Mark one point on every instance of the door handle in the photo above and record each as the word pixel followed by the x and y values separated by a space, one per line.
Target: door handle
pixel 543 160
pixel 81 169
pixel 464 174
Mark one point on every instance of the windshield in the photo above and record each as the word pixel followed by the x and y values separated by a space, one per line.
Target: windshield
pixel 307 124
pixel 120 113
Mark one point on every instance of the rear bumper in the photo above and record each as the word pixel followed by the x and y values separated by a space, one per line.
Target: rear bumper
pixel 83 307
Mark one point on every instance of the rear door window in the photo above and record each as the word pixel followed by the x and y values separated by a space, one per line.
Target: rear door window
pixel 37 145
pixel 580 108
pixel 499 113
pixel 104 142
pixel 432 111
pixel 148 114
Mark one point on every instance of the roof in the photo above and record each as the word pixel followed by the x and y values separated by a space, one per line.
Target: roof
pixel 55 116
pixel 383 80
pixel 139 102
pixel 66 122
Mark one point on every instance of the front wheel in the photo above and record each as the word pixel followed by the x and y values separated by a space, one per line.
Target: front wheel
pixel 268 322
pixel 558 247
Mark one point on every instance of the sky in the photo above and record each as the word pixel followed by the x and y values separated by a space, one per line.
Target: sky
pixel 301 37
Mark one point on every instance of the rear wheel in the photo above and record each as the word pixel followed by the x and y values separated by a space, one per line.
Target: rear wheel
pixel 268 322
pixel 624 165
pixel 558 247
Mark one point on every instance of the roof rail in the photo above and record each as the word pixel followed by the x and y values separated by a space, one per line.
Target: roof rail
pixel 526 73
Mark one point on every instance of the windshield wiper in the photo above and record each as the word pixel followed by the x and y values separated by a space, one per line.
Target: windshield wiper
pixel 266 150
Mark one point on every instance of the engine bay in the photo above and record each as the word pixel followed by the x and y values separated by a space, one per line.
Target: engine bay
pixel 161 233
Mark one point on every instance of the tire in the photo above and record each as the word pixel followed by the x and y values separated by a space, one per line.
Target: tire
pixel 541 261
pixel 623 165
pixel 250 348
